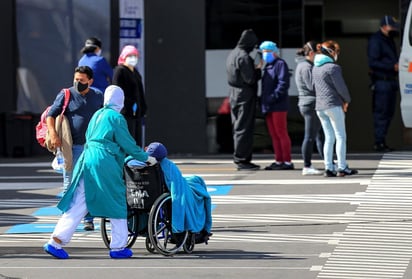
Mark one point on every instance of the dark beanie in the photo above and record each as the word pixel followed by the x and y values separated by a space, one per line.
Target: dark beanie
pixel 157 150
pixel 91 44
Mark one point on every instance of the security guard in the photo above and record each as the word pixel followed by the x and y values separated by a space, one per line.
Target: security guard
pixel 383 70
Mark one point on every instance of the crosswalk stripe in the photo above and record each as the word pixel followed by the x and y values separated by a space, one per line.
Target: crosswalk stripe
pixel 390 240
pixel 375 243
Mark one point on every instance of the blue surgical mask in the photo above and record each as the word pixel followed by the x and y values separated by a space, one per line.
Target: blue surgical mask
pixel 268 57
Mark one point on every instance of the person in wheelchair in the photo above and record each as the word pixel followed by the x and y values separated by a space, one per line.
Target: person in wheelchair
pixel 191 203
pixel 98 187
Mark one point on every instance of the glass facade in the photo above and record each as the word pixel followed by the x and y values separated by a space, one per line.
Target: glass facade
pixel 50 35
pixel 279 21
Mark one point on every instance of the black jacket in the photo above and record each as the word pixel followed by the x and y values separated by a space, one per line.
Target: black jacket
pixel 382 56
pixel 132 85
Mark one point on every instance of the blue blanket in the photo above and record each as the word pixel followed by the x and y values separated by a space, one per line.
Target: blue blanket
pixel 191 203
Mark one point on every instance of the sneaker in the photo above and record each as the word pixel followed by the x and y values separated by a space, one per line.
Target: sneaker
pixel 121 254
pixel 247 166
pixel 310 171
pixel 330 173
pixel 289 166
pixel 274 166
pixel 57 253
pixel 346 171
pixel 88 226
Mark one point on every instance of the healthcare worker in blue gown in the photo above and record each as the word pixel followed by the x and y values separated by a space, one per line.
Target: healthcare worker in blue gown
pixel 97 186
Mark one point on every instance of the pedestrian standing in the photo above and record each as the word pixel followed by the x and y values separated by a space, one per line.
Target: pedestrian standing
pixel 383 71
pixel 243 76
pixel 332 101
pixel 127 77
pixel 306 104
pixel 275 105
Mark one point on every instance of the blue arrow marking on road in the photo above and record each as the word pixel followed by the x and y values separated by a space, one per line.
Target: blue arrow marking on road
pixel 219 189
pixel 54 211
pixel 39 228
pixel 48 211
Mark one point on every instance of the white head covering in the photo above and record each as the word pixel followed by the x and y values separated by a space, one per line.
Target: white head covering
pixel 114 97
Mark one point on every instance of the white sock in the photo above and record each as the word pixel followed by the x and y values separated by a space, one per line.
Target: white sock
pixel 55 244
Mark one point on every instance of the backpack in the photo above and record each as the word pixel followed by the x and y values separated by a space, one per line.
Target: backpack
pixel 41 127
pixel 143 186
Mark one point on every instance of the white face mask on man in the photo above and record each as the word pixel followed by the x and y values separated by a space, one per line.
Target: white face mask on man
pixel 131 61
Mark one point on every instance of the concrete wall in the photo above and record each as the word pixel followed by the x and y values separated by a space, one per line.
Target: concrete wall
pixel 8 52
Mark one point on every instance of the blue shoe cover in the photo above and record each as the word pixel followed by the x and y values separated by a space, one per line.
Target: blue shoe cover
pixel 57 253
pixel 122 254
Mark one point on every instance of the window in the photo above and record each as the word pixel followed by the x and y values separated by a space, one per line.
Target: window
pixel 279 21
pixel 50 35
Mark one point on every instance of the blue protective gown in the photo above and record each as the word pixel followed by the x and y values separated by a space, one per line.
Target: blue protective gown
pixel 101 166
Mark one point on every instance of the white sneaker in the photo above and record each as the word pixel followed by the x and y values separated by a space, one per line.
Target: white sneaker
pixel 311 171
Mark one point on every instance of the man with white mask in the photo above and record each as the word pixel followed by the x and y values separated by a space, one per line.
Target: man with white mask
pixel 97 187
pixel 129 79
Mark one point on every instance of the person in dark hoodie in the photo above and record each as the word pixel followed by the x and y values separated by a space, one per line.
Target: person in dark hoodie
pixel 243 76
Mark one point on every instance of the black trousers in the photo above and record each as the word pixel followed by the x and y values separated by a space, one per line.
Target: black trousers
pixel 243 113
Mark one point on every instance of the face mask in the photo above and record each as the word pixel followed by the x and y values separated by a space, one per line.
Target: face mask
pixel 393 33
pixel 99 52
pixel 268 57
pixel 131 60
pixel 80 87
pixel 335 57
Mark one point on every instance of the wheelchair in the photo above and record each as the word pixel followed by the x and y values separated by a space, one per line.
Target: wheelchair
pixel 150 213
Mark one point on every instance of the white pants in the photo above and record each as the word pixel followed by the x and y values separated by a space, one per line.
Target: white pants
pixel 69 221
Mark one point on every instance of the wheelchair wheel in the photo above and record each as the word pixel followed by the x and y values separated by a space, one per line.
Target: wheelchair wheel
pixel 149 246
pixel 189 245
pixel 160 227
pixel 132 224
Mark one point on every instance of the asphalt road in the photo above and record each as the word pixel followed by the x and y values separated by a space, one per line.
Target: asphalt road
pixel 266 224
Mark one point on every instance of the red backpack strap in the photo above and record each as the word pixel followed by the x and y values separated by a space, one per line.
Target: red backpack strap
pixel 66 99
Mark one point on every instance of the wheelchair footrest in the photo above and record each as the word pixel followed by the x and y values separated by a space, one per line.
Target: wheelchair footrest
pixel 203 237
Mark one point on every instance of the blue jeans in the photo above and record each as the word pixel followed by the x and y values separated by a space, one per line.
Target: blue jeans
pixel 333 124
pixel 67 175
